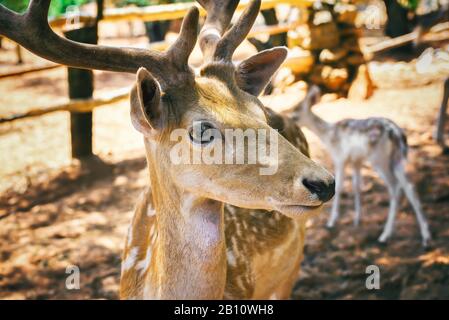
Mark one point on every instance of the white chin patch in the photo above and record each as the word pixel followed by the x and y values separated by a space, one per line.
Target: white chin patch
pixel 298 212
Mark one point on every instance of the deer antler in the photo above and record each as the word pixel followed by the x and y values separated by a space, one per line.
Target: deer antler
pixel 215 43
pixel 32 31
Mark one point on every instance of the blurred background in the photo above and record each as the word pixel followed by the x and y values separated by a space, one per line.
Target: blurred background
pixel 72 166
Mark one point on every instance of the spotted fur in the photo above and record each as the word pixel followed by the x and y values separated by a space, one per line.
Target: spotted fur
pixel 378 141
pixel 255 241
pixel 375 130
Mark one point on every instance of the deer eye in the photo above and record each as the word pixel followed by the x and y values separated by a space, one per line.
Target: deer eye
pixel 202 132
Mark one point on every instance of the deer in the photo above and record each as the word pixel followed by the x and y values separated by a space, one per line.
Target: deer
pixel 353 142
pixel 439 132
pixel 202 231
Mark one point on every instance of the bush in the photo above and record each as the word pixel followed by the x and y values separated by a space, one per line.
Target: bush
pixel 57 7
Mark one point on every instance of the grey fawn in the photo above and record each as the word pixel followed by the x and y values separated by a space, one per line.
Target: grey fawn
pixel 377 141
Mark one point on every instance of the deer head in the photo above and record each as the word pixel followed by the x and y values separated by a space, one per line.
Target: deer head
pixel 224 97
pixel 168 95
pixel 303 109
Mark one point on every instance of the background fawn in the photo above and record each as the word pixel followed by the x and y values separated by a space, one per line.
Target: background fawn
pixel 378 141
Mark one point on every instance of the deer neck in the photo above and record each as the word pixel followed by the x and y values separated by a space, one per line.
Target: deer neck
pixel 317 125
pixel 191 256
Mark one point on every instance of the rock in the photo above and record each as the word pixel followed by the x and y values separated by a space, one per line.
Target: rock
pixel 120 180
pixel 346 13
pixel 322 17
pixel 282 79
pixel 298 88
pixel 300 61
pixel 314 37
pixel 362 87
pixel 293 39
pixel 332 55
pixel 329 97
pixel 332 78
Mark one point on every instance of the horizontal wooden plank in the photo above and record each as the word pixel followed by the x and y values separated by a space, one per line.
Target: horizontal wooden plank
pixel 168 11
pixel 73 106
pixel 151 13
pixel 20 70
pixel 270 30
pixel 392 43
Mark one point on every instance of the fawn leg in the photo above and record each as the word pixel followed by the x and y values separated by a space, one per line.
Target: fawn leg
pixel 356 186
pixel 394 191
pixel 339 177
pixel 442 115
pixel 414 200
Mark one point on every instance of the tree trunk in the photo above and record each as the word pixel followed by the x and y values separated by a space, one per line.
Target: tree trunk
pixel 81 86
pixel 280 39
pixel 398 23
pixel 270 20
pixel 156 30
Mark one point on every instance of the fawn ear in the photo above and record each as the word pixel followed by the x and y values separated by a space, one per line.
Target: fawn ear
pixel 313 96
pixel 146 113
pixel 254 73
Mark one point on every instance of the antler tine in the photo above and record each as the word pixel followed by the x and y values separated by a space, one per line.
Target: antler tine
pixel 181 49
pixel 238 32
pixel 219 15
pixel 32 31
pixel 216 46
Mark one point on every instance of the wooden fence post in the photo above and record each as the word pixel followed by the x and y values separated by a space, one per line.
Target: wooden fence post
pixel 81 86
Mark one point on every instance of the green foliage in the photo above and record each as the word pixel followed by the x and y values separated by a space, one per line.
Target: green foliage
pixel 138 3
pixel 57 7
pixel 15 5
pixel 143 3
pixel 409 4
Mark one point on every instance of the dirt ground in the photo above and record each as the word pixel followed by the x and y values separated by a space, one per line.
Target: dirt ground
pixel 56 212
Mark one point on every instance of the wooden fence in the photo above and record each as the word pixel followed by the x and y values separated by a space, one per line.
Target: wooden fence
pixel 169 11
pixel 152 13
pixel 81 109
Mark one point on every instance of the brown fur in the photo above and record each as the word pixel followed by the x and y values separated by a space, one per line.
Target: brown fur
pixel 251 235
pixel 188 247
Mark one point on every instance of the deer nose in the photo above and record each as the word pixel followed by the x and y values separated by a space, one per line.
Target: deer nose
pixel 324 191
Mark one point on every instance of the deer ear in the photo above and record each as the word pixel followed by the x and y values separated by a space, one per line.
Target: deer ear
pixel 254 73
pixel 313 96
pixel 146 113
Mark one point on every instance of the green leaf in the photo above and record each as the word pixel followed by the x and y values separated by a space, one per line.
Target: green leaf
pixel 409 4
pixel 15 5
pixel 57 7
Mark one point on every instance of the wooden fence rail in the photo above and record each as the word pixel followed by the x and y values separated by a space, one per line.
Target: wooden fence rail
pixel 80 105
pixel 151 13
pixel 167 11
pixel 29 69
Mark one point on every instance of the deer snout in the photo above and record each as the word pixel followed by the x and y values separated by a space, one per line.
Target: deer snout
pixel 324 190
pixel 319 182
